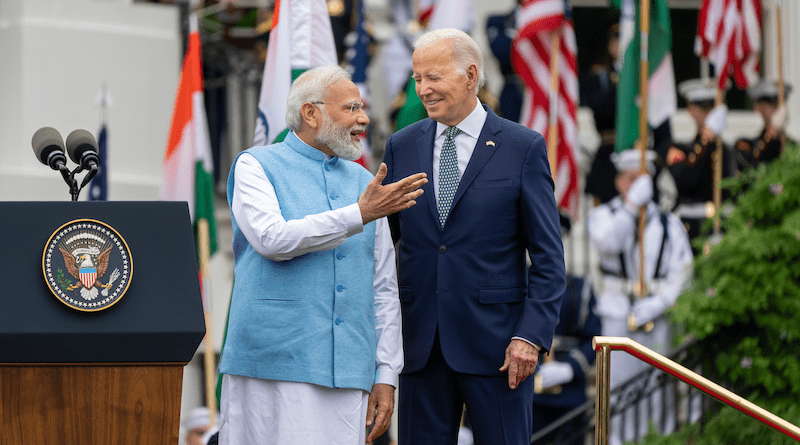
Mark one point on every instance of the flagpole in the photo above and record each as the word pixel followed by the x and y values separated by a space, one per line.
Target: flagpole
pixel 552 137
pixel 640 289
pixel 644 71
pixel 781 87
pixel 717 196
pixel 552 157
pixel 210 368
pixel 103 105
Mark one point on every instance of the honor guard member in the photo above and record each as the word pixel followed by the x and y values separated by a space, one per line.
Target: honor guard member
pixel 613 229
pixel 692 165
pixel 560 382
pixel 769 144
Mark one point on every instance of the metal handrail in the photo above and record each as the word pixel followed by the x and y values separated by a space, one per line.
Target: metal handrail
pixel 604 346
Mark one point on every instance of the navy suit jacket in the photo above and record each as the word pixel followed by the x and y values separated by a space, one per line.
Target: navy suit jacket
pixel 470 279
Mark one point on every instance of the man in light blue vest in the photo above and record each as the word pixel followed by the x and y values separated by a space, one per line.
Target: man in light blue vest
pixel 314 346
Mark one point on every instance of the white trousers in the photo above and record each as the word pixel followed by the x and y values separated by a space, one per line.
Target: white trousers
pixel 265 412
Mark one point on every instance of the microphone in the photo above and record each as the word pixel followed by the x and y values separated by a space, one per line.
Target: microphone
pixel 82 149
pixel 49 148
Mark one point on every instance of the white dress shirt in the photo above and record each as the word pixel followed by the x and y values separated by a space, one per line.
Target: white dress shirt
pixel 465 141
pixel 258 215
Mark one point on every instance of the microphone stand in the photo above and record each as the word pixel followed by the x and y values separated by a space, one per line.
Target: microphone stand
pixel 69 178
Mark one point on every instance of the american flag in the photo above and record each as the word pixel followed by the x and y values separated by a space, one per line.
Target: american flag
pixel 729 35
pixel 530 56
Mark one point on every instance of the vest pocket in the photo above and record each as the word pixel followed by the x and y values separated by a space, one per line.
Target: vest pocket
pixel 501 295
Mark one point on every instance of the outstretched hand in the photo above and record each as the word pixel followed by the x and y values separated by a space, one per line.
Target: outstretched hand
pixel 380 200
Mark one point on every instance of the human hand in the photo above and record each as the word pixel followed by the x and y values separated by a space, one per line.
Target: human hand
pixel 648 309
pixel 380 200
pixel 641 191
pixel 380 406
pixel 520 362
pixel 717 119
pixel 778 120
pixel 555 373
pixel 675 155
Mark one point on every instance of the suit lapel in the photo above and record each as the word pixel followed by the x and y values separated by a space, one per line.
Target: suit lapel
pixel 487 144
pixel 425 151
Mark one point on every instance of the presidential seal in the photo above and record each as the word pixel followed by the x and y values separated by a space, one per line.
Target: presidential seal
pixel 87 265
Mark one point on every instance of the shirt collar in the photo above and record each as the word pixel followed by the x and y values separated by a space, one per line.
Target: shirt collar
pixel 471 125
pixel 304 149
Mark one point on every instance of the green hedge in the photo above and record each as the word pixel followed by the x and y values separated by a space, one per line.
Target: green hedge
pixel 744 303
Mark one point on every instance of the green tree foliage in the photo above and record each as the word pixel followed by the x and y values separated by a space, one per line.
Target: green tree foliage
pixel 746 291
pixel 744 304
pixel 731 427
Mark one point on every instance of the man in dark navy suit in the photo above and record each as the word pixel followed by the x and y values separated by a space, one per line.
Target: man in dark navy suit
pixel 475 319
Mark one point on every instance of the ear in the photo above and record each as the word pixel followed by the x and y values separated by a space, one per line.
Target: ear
pixel 472 76
pixel 311 115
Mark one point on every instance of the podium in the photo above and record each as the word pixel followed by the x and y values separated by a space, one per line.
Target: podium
pixel 97 377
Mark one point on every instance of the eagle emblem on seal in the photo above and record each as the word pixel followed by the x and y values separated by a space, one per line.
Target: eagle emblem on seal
pixel 87 265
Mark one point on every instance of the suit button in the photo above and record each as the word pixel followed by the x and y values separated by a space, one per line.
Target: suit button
pixel 338 321
pixel 333 196
pixel 340 288
pixel 340 255
pixel 442 249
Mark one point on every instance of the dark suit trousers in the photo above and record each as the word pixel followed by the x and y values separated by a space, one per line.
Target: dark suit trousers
pixel 431 402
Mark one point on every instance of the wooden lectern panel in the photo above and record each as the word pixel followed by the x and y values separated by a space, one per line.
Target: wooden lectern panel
pixel 90 405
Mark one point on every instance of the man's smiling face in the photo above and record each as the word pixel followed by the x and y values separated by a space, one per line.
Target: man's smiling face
pixel 447 93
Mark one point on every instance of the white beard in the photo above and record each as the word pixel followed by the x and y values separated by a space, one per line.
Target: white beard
pixel 338 139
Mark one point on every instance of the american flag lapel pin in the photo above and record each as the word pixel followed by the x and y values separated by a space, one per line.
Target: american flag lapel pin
pixel 490 143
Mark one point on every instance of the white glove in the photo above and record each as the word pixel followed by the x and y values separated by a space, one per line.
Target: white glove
pixel 717 119
pixel 641 191
pixel 207 435
pixel 779 118
pixel 555 373
pixel 648 309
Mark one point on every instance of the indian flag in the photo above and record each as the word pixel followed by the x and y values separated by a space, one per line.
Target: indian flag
pixel 301 38
pixel 187 173
pixel 661 97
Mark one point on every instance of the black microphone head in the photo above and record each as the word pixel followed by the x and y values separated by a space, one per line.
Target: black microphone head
pixel 82 148
pixel 48 146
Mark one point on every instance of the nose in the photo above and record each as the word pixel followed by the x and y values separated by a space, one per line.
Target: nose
pixel 362 117
pixel 422 88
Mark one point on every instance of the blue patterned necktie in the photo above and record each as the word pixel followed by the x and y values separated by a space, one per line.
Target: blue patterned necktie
pixel 448 173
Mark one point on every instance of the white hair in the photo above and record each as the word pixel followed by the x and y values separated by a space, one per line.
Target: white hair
pixel 465 50
pixel 309 87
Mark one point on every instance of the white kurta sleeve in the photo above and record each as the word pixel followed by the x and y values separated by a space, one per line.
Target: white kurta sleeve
pixel 258 215
pixel 387 308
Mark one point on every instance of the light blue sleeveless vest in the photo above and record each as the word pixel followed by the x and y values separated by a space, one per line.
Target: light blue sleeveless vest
pixel 310 319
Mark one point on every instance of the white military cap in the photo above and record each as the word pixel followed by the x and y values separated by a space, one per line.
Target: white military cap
pixel 767 89
pixel 631 160
pixel 698 90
